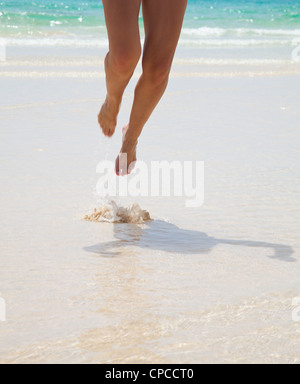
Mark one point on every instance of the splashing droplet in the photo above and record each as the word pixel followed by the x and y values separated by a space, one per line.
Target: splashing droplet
pixel 112 213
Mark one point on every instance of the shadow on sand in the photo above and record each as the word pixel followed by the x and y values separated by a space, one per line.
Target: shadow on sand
pixel 163 236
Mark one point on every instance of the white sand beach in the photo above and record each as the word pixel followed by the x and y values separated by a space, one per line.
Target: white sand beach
pixel 205 285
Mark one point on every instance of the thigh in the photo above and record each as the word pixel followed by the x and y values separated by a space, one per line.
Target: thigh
pixel 122 23
pixel 163 22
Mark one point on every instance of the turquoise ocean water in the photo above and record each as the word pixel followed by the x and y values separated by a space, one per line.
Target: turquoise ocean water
pixel 207 23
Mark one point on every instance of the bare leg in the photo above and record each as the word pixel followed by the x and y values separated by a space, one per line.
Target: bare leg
pixel 124 52
pixel 163 22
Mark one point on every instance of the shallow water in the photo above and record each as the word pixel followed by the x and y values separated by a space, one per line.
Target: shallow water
pixel 207 23
pixel 211 284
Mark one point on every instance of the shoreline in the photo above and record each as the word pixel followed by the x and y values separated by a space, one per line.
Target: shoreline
pixel 87 63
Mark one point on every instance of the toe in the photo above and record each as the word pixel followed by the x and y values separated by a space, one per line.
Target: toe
pixel 131 167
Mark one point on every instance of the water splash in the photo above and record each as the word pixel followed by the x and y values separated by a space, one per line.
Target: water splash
pixel 112 213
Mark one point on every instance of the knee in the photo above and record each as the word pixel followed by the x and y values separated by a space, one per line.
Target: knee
pixel 157 71
pixel 124 61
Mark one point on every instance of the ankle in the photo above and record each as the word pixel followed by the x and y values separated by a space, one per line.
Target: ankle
pixel 113 101
pixel 129 144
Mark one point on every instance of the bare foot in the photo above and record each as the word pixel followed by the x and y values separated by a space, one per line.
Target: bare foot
pixel 126 160
pixel 107 117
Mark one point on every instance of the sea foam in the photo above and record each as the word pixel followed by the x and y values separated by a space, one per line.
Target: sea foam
pixel 240 32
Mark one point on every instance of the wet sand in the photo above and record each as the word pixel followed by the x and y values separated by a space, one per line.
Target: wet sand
pixel 214 284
